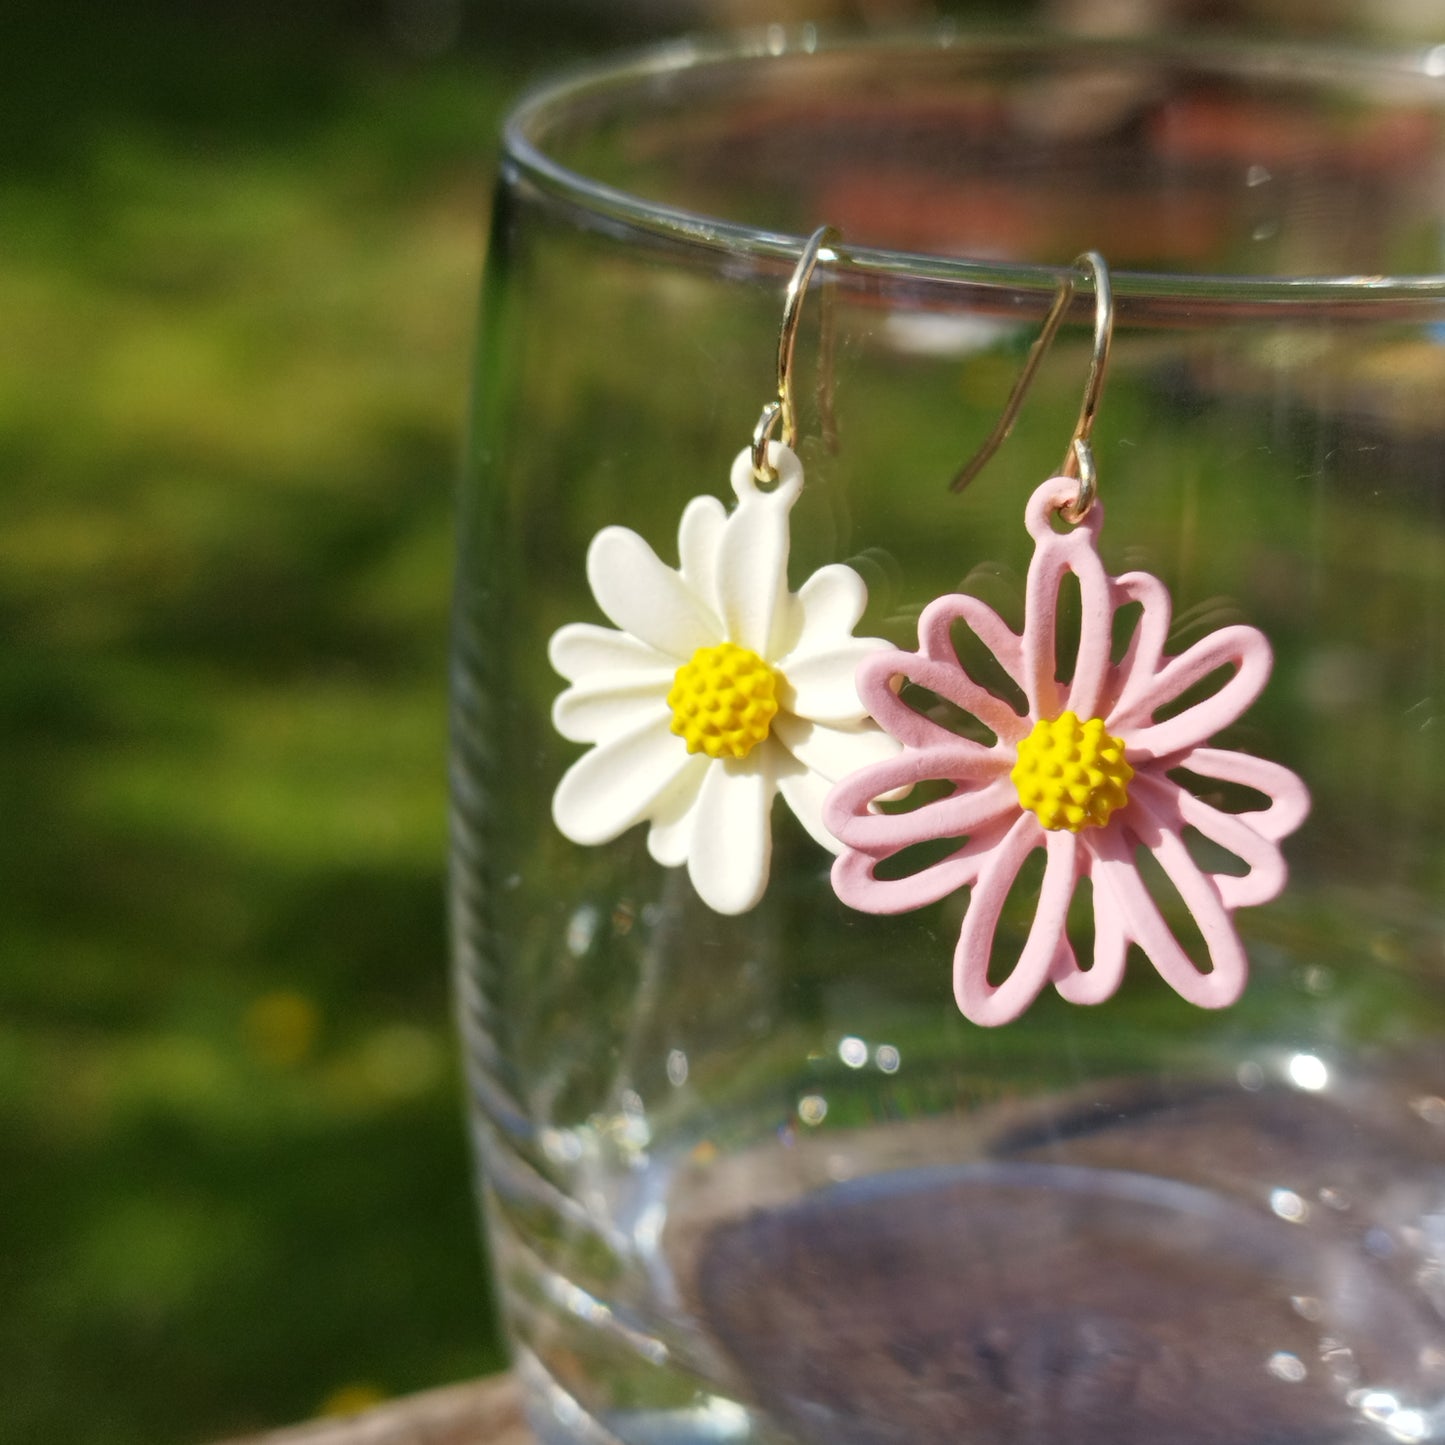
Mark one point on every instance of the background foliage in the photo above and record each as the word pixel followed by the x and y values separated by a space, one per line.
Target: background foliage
pixel 238 264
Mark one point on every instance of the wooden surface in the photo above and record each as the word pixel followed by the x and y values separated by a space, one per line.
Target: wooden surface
pixel 485 1412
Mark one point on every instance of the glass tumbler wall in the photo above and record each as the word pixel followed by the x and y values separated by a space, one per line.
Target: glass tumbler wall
pixel 752 1177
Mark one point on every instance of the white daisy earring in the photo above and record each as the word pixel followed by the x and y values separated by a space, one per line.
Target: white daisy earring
pixel 718 688
pixel 1086 771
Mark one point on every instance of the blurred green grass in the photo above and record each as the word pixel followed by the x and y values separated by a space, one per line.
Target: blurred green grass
pixel 239 255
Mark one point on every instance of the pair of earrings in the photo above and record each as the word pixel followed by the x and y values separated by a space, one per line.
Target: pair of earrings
pixel 720 688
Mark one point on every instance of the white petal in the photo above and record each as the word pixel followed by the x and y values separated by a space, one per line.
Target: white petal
pixel 699 535
pixel 804 792
pixel 580 648
pixel 670 836
pixel 752 562
pixel 822 685
pixel 833 752
pixel 620 782
pixel 826 607
pixel 644 597
pixel 732 841
pixel 608 706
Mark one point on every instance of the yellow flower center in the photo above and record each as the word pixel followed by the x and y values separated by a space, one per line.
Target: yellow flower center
pixel 1072 774
pixel 723 701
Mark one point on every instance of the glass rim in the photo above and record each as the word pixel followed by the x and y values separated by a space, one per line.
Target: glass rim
pixel 525 156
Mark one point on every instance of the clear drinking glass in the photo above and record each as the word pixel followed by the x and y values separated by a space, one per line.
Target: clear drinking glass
pixel 754 1178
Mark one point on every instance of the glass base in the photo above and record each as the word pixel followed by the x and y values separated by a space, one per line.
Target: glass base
pixel 1219 1265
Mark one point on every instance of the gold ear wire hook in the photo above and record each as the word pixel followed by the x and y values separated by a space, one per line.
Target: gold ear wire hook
pixel 1079 458
pixel 784 409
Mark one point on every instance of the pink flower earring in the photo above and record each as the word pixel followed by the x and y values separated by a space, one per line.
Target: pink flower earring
pixel 1085 772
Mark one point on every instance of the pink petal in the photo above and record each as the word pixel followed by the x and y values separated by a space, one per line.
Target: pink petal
pixel 1144 923
pixel 847 808
pixel 979 1000
pixel 949 677
pixel 958 761
pixel 1054 554
pixel 880 674
pixel 879 677
pixel 1096 631
pixel 1289 798
pixel 1101 980
pixel 881 835
pixel 1245 647
pixel 855 884
pixel 1175 808
pixel 1144 655
pixel 995 634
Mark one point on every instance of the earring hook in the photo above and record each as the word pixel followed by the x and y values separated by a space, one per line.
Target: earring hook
pixel 784 409
pixel 1078 461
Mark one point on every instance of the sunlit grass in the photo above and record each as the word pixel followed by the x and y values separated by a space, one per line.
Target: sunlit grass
pixel 232 389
